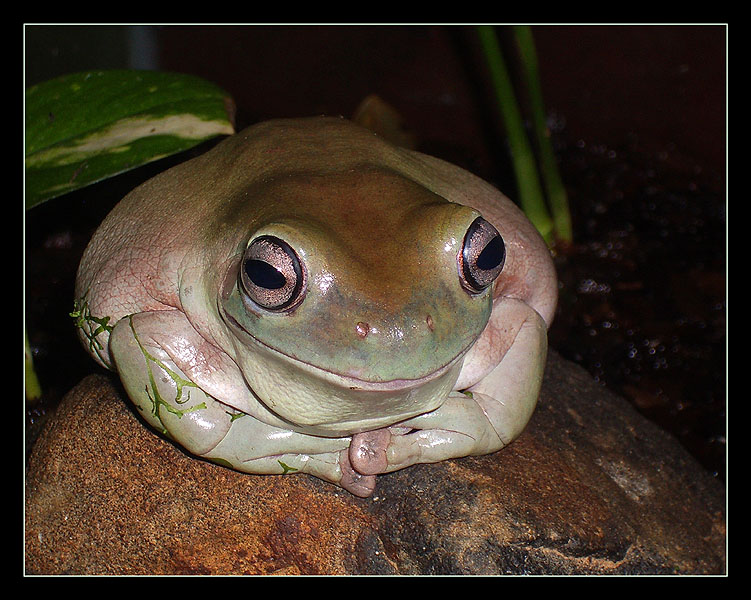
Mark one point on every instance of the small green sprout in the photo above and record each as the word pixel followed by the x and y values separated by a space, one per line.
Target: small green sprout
pixel 286 468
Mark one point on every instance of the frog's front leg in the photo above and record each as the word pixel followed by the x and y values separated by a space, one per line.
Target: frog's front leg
pixel 253 446
pixel 480 420
pixel 153 371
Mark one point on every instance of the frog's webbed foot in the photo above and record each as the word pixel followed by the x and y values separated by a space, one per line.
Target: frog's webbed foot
pixel 458 428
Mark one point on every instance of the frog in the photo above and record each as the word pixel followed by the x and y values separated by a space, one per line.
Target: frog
pixel 306 297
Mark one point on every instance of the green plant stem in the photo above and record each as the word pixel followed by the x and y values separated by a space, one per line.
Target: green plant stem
pixel 531 196
pixel 33 388
pixel 554 188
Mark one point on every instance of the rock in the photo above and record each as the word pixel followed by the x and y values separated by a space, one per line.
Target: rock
pixel 589 487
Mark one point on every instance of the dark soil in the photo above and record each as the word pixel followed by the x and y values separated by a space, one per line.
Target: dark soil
pixel 642 296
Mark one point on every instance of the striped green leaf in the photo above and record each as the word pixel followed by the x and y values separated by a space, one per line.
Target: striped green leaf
pixel 85 127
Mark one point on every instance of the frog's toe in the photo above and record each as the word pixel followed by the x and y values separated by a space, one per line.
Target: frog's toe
pixel 367 451
pixel 353 481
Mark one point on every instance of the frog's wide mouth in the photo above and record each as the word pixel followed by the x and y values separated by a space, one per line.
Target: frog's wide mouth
pixel 318 401
pixel 345 380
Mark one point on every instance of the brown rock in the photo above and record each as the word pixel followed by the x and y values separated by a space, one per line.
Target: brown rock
pixel 589 487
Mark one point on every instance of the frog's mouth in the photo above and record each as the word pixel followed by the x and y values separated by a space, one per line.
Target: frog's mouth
pixel 322 402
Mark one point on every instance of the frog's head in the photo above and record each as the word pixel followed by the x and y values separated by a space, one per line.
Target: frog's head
pixel 355 296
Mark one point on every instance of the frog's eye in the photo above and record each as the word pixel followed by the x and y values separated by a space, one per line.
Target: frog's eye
pixel 271 273
pixel 482 256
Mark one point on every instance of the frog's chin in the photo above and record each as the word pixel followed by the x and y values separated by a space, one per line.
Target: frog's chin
pixel 318 401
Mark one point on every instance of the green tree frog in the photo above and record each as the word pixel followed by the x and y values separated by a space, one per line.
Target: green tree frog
pixel 306 297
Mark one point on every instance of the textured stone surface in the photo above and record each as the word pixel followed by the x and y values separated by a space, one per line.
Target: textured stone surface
pixel 589 487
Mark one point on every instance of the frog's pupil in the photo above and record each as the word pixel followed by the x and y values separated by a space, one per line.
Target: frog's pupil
pixel 264 275
pixel 492 255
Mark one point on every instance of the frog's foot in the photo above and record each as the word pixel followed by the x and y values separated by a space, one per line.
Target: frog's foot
pixel 353 480
pixel 367 451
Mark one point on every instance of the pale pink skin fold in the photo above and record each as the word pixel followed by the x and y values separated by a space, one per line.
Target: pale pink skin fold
pixel 388 345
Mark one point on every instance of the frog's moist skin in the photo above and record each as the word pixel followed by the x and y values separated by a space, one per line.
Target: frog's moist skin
pixel 306 297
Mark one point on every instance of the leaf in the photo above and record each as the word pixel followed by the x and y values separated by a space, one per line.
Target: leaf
pixel 85 127
pixel 551 177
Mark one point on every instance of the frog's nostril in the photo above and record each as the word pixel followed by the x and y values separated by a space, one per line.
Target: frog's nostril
pixel 429 321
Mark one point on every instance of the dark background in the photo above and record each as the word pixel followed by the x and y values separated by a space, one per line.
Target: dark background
pixel 638 117
pixel 663 83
